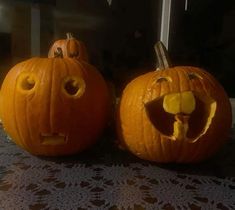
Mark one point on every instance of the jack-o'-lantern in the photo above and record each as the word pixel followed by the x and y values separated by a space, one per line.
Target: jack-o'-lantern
pixel 173 114
pixel 71 47
pixel 54 106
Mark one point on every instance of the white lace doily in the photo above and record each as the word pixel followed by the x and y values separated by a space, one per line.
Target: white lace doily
pixel 111 179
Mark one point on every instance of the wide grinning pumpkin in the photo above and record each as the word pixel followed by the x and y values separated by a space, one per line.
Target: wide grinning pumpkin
pixel 71 47
pixel 54 106
pixel 174 114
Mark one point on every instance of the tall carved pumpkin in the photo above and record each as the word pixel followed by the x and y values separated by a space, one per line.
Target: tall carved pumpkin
pixel 54 106
pixel 173 114
pixel 71 47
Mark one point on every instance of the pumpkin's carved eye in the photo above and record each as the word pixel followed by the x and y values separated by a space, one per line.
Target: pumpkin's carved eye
pixel 193 75
pixel 26 82
pixel 73 87
pixel 163 79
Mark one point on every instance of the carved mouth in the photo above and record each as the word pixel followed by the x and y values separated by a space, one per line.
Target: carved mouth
pixel 188 123
pixel 53 138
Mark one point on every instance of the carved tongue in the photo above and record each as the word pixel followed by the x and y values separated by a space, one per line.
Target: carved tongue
pixel 180 126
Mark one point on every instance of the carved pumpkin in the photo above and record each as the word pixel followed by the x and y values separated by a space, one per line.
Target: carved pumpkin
pixel 71 47
pixel 54 106
pixel 174 114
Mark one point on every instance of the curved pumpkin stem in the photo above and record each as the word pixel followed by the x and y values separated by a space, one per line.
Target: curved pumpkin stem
pixel 69 35
pixel 162 56
pixel 58 53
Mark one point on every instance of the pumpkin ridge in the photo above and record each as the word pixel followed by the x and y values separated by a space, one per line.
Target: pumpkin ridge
pixel 52 92
pixel 197 146
pixel 51 64
pixel 21 142
pixel 178 145
pixel 172 152
pixel 147 148
pixel 203 85
pixel 181 144
pixel 164 152
pixel 161 139
pixel 27 106
pixel 84 71
pixel 205 74
pixel 28 65
pixel 68 72
pixel 200 146
pixel 178 73
pixel 42 75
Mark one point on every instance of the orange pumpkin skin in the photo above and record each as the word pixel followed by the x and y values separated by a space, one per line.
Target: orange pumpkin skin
pixel 0 108
pixel 54 106
pixel 145 129
pixel 71 48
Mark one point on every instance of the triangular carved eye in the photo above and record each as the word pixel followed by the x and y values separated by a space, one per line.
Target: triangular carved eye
pixel 193 75
pixel 163 79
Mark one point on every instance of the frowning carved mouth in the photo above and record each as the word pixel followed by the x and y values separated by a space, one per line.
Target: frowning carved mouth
pixel 182 116
pixel 53 138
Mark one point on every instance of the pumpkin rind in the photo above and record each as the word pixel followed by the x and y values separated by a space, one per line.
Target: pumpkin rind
pixel 71 47
pixel 138 134
pixel 41 118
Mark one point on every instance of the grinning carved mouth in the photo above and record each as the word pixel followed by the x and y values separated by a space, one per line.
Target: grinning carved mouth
pixel 53 138
pixel 180 117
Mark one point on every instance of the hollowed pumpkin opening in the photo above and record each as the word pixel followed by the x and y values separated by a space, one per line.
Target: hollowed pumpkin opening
pixel 189 126
pixel 73 86
pixel 53 138
pixel 26 82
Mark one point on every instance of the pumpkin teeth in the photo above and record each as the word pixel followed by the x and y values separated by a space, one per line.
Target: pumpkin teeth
pixel 53 138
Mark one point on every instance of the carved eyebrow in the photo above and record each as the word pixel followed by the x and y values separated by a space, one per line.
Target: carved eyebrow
pixel 163 79
pixel 193 75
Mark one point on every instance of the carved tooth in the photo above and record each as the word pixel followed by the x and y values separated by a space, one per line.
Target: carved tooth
pixel 181 126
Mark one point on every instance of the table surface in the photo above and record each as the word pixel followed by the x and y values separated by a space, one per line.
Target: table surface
pixel 105 177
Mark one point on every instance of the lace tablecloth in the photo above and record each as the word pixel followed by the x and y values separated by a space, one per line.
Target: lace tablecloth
pixel 107 178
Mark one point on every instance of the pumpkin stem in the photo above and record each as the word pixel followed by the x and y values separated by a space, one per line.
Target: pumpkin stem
pixel 58 53
pixel 69 35
pixel 162 56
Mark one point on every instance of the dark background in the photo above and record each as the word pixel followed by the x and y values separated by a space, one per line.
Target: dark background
pixel 204 36
pixel 120 37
